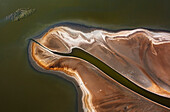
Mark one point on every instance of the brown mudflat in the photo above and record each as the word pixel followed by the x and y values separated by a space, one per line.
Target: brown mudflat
pixel 140 55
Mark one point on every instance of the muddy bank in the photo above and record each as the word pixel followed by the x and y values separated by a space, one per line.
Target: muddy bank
pixel 136 54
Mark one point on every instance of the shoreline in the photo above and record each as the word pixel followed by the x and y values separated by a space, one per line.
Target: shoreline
pixel 67 69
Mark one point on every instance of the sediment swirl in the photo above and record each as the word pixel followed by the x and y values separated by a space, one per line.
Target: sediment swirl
pixel 140 55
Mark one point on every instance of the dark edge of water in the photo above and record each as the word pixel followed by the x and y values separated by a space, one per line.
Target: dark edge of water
pixel 89 28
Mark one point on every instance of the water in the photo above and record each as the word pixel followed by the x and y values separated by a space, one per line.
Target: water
pixel 24 89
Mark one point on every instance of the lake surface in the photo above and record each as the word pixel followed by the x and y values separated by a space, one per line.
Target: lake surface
pixel 22 89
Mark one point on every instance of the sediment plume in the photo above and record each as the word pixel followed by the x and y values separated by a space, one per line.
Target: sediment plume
pixel 140 55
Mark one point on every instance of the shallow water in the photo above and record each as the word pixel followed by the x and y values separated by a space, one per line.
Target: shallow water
pixel 24 89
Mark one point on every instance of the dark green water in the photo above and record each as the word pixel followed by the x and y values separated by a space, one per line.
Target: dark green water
pixel 22 89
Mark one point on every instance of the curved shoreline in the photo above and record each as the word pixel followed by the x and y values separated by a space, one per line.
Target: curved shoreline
pixel 61 69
